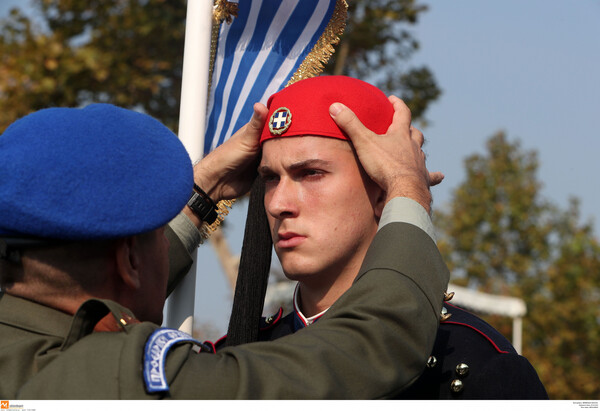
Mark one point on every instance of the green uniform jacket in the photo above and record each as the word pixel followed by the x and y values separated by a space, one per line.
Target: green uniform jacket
pixel 372 343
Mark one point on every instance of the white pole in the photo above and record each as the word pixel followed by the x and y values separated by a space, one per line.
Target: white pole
pixel 518 334
pixel 192 120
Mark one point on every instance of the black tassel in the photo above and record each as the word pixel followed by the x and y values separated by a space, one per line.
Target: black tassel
pixel 253 273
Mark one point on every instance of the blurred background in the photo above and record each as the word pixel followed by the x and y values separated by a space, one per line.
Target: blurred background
pixel 506 92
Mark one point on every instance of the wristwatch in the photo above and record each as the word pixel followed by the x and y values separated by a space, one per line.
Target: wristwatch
pixel 203 206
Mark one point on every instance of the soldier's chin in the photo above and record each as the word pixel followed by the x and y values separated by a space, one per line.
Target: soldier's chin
pixel 298 275
pixel 309 277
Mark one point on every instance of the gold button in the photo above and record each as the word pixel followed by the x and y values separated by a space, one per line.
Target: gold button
pixel 269 320
pixel 462 369
pixel 444 315
pixel 448 296
pixel 126 318
pixel 456 386
pixel 431 362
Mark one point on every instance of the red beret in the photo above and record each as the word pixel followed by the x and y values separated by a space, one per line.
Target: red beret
pixel 302 109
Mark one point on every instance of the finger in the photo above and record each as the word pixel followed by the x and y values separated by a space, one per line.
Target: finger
pixel 349 123
pixel 259 117
pixel 249 135
pixel 417 136
pixel 402 116
pixel 435 178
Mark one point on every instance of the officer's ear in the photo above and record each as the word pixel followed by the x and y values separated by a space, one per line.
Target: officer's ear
pixel 128 261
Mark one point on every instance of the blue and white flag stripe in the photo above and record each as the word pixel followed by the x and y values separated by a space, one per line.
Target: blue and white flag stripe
pixel 257 55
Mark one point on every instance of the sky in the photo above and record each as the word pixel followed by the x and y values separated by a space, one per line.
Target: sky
pixel 526 67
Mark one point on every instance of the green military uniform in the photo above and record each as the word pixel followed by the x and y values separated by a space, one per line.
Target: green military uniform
pixel 372 343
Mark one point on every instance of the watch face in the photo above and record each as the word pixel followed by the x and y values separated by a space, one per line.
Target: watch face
pixel 193 199
pixel 280 121
pixel 203 208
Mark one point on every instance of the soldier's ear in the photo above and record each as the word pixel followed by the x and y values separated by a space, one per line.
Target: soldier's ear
pixel 379 204
pixel 128 261
pixel 375 193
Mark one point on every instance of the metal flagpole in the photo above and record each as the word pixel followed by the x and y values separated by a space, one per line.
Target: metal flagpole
pixel 192 120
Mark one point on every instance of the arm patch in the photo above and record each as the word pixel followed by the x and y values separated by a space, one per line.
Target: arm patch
pixel 155 353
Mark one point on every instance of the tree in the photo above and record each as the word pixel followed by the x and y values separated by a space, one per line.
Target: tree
pixel 376 44
pixel 500 236
pixel 124 52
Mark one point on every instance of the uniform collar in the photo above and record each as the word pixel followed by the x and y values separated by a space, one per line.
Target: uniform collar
pixel 32 316
pixel 300 321
pixel 41 319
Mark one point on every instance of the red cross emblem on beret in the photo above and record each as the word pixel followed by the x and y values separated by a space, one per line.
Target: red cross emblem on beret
pixel 280 120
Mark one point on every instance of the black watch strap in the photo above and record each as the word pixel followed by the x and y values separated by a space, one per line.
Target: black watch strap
pixel 203 206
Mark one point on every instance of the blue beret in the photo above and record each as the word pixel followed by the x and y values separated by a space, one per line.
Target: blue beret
pixel 90 173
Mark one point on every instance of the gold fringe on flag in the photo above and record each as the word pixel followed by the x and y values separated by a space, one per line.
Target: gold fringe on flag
pixel 223 207
pixel 223 10
pixel 315 61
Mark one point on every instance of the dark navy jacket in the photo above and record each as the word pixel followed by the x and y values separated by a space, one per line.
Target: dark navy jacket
pixel 470 360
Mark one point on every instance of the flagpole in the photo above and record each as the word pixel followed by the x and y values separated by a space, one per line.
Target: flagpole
pixel 192 123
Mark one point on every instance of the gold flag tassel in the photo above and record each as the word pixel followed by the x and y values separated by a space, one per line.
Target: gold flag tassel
pixel 223 10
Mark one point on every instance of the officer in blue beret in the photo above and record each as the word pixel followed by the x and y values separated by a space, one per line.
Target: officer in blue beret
pixel 99 209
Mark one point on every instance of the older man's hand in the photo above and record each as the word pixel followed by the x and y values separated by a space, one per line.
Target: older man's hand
pixel 395 159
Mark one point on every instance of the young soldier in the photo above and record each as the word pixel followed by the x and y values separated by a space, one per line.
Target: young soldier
pixel 324 210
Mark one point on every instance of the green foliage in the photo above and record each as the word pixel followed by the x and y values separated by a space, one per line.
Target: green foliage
pixel 374 46
pixel 501 237
pixel 124 52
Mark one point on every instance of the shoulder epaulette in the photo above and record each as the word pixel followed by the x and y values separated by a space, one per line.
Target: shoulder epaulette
pixel 462 317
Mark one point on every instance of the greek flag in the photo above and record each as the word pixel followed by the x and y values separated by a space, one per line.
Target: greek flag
pixel 257 54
